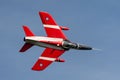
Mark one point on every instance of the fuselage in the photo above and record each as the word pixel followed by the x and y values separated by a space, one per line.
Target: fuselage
pixel 46 42
pixel 55 43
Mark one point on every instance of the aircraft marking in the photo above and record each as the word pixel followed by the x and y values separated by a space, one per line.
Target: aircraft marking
pixel 47 58
pixel 52 26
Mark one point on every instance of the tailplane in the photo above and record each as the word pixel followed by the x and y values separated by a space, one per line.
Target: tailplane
pixel 25 47
pixel 29 33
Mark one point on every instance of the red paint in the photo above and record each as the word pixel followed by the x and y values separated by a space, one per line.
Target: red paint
pixel 51 32
pixel 48 52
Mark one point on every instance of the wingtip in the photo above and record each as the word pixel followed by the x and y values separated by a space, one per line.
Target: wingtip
pixel 43 12
pixel 36 69
pixel 24 26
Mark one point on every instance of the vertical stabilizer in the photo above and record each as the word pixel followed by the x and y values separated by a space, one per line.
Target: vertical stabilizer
pixel 26 46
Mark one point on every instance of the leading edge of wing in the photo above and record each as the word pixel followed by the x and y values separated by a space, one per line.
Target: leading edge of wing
pixel 50 25
pixel 48 56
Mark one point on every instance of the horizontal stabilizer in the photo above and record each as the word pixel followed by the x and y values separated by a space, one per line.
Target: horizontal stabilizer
pixel 25 47
pixel 27 31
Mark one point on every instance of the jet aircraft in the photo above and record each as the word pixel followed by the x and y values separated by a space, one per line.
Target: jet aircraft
pixel 55 43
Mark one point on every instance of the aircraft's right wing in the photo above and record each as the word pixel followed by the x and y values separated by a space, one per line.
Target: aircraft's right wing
pixel 51 27
pixel 48 56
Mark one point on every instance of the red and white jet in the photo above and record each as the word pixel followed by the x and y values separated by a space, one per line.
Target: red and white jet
pixel 56 43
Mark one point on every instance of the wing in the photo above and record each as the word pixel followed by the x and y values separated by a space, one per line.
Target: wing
pixel 48 56
pixel 51 27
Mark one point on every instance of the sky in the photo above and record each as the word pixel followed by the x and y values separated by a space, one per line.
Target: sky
pixel 92 22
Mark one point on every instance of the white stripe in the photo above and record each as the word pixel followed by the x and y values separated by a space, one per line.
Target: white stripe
pixel 38 38
pixel 47 58
pixel 52 26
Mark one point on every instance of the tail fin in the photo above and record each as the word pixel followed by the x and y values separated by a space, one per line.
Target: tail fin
pixel 26 46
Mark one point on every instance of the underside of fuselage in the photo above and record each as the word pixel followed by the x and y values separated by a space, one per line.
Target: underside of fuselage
pixel 55 43
pixel 45 45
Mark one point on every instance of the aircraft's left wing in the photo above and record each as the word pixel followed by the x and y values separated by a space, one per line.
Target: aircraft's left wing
pixel 51 27
pixel 48 56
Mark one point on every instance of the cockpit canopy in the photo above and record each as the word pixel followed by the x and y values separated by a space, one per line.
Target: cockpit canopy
pixel 68 45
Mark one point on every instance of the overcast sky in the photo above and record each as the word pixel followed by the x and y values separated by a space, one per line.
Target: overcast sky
pixel 92 22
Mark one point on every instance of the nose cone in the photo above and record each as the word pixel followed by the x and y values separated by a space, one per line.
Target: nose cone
pixel 71 45
pixel 83 47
